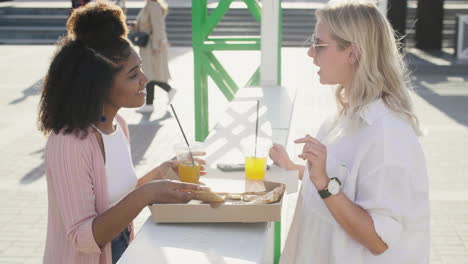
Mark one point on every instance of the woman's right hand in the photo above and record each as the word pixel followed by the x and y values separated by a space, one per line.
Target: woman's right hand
pixel 166 191
pixel 280 157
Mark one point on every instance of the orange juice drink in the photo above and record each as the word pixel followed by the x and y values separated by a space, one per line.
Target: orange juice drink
pixel 255 168
pixel 188 172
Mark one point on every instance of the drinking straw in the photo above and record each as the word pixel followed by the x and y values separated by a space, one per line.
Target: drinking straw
pixel 183 134
pixel 256 129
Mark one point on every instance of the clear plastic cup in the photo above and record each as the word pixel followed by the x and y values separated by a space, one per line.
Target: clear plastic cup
pixel 188 169
pixel 255 157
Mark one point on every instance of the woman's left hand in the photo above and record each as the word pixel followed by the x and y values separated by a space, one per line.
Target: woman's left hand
pixel 316 155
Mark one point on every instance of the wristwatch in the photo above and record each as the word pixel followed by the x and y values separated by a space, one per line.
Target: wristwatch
pixel 333 188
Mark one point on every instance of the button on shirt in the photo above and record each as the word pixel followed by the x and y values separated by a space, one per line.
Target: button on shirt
pixel 381 166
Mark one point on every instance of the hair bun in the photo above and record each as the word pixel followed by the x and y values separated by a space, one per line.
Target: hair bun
pixel 97 23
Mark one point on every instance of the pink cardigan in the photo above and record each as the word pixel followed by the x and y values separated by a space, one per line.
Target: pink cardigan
pixel 77 193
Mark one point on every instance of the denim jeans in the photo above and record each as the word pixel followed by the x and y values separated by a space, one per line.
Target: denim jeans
pixel 120 244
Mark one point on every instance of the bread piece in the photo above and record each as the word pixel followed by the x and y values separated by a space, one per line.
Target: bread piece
pixel 234 196
pixel 241 196
pixel 250 197
pixel 270 197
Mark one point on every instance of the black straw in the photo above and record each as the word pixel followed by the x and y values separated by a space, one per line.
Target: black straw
pixel 183 134
pixel 256 129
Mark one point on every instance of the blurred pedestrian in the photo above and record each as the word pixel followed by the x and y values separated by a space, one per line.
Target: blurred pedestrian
pixel 122 4
pixel 151 19
pixel 78 3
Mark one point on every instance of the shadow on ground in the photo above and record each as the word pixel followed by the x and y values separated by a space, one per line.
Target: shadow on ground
pixel 450 97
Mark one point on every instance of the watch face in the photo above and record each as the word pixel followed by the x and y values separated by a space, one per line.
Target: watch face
pixel 333 187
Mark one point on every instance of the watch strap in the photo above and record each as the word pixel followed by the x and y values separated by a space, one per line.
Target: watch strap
pixel 324 193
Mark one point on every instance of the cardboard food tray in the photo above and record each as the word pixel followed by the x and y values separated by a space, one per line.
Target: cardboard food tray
pixel 197 212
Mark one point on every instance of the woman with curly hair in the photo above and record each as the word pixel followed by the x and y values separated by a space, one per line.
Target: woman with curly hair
pixel 93 191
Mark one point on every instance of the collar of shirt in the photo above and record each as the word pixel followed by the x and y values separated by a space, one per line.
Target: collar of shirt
pixel 373 111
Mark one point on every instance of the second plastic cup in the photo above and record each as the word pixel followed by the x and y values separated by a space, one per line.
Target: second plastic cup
pixel 255 168
pixel 255 160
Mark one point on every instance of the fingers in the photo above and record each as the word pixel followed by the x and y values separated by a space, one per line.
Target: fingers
pixel 185 195
pixel 185 186
pixel 174 164
pixel 181 197
pixel 202 188
pixel 307 139
pixel 309 156
pixel 313 151
pixel 277 146
pixel 203 185
pixel 316 149
pixel 200 161
pixel 199 153
pixel 312 145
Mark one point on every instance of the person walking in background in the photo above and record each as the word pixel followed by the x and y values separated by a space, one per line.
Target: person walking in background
pixel 78 3
pixel 151 19
pixel 364 196
pixel 122 4
pixel 93 191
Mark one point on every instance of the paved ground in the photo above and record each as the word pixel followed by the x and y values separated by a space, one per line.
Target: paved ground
pixel 441 101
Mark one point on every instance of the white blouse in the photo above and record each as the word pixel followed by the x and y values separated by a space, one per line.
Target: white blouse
pixel 382 169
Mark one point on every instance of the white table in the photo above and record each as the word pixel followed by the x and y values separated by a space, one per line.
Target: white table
pixel 224 243
pixel 229 243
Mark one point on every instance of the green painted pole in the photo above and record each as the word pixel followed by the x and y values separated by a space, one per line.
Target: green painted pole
pixel 199 13
pixel 277 246
pixel 254 9
pixel 277 243
pixel 215 16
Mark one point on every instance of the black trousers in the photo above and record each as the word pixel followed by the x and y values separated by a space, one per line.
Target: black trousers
pixel 150 90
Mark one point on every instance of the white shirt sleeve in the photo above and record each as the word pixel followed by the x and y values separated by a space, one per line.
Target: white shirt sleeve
pixel 385 192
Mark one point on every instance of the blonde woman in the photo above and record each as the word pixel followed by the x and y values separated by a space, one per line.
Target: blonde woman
pixel 364 196
pixel 151 19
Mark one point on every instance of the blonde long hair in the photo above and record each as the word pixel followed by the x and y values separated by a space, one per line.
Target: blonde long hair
pixel 380 71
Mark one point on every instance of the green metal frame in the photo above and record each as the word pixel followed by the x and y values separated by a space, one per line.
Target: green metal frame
pixel 206 64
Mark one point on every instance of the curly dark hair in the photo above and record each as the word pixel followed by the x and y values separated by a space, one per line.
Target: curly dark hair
pixel 83 68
